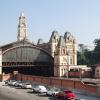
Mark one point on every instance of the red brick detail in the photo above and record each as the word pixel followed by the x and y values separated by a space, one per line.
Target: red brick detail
pixel 68 83
pixel 6 77
pixel 55 82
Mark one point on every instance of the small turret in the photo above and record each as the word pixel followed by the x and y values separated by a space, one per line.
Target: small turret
pixel 61 58
pixel 22 14
pixel 67 34
pixel 69 37
pixel 40 41
pixel 71 47
pixel 53 42
pixel 61 42
pixel 54 37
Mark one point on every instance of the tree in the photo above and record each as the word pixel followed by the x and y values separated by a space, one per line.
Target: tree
pixel 81 55
pixel 97 51
pixel 88 57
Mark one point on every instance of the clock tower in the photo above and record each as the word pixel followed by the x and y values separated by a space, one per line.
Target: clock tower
pixel 22 34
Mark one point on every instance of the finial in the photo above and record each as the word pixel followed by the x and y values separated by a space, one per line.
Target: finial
pixel 22 14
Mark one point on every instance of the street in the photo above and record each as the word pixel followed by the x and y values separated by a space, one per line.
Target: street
pixel 12 93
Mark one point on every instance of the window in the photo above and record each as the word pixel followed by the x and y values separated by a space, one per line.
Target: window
pixel 63 51
pixel 71 61
pixel 62 71
pixel 74 70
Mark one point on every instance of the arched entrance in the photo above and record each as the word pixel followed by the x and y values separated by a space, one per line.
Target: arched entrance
pixel 29 60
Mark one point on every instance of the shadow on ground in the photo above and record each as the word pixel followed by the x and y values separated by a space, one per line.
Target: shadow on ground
pixel 49 97
pixel 4 85
pixel 43 95
pixel 31 92
pixel 53 98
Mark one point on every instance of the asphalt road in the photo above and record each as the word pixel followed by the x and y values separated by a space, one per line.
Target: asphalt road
pixel 12 93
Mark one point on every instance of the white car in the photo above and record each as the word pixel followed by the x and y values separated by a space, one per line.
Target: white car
pixel 17 83
pixel 26 86
pixel 20 84
pixel 42 89
pixel 39 89
pixel 11 82
pixel 53 91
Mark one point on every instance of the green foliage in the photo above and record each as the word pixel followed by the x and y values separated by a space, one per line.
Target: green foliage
pixel 81 58
pixel 89 57
pixel 84 58
pixel 97 51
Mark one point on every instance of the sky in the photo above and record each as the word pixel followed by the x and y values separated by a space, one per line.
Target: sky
pixel 80 17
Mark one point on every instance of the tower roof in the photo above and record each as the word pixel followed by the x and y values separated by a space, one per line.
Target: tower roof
pixel 22 14
pixel 67 34
pixel 61 41
pixel 54 36
pixel 69 37
pixel 40 41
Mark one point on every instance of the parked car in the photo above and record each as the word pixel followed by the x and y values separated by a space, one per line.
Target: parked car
pixel 17 83
pixel 6 82
pixel 26 86
pixel 39 88
pixel 20 84
pixel 53 91
pixel 66 94
pixel 11 82
pixel 42 89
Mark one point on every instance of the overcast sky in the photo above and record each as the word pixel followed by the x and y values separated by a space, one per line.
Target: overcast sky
pixel 80 17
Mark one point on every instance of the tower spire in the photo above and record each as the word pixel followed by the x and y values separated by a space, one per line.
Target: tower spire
pixel 22 34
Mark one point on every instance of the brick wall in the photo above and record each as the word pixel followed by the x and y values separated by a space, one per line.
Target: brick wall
pixel 70 84
pixel 77 74
pixel 6 77
pixel 52 81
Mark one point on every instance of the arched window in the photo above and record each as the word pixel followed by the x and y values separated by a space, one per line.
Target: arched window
pixel 71 61
pixel 63 51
